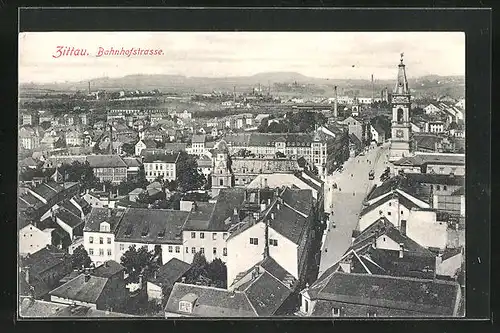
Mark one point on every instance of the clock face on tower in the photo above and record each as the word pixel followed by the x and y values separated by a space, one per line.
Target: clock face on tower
pixel 399 133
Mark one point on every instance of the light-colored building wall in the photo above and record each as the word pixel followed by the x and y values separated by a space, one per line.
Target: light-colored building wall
pixel 99 253
pixel 423 228
pixel 156 169
pixel 450 266
pixel 60 300
pixel 391 210
pixel 285 254
pixel 209 242
pixel 444 169
pixel 32 239
pixel 241 254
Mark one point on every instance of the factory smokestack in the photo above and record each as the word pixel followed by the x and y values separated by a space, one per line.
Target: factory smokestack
pixel 89 87
pixel 335 106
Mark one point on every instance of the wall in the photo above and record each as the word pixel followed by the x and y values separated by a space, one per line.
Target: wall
pixel 95 246
pixel 443 169
pixel 450 266
pixel 386 243
pixel 154 291
pixel 389 210
pixel 285 254
pixel 32 239
pixel 166 255
pixel 60 300
pixel 241 254
pixel 423 228
pixel 358 310
pixel 207 243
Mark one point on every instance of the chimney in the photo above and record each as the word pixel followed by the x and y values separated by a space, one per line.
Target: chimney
pixel 155 275
pixel 27 274
pixel 266 239
pixel 140 281
pixel 89 87
pixel 401 250
pixel 335 105
pixel 278 206
pixel 268 201
pixel 262 206
pixel 109 211
pixel 272 216
pixel 87 277
pixel 265 182
pixel 183 279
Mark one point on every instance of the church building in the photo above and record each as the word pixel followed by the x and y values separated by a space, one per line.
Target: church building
pixel 401 125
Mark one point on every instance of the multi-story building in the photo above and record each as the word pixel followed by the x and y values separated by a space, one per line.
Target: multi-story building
pixel 438 163
pixel 108 167
pixel 74 138
pixel 30 137
pixel 279 225
pixel 161 165
pixel 293 145
pixel 434 127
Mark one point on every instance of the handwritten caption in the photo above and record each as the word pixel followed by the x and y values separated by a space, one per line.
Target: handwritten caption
pixel 71 51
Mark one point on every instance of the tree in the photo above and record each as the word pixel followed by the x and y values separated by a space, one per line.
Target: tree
pixel 244 153
pixel 280 155
pixel 188 177
pixel 45 125
pixel 138 262
pixel 197 268
pixel 217 272
pixel 80 258
pixel 128 148
pixel 79 172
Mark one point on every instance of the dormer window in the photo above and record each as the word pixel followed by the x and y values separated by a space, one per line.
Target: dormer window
pixel 104 227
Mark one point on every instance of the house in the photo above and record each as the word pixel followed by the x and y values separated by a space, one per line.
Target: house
pixel 260 117
pixel 377 133
pixel 51 142
pixel 30 137
pixel 341 294
pixel 460 104
pixel 108 167
pixel 164 166
pixel 204 166
pixel 153 228
pixel 440 163
pixel 301 180
pixel 450 262
pixel 414 128
pixel 134 194
pixel 431 109
pixel 164 278
pixel 70 221
pixel 262 291
pixel 32 239
pixel 198 144
pixel 280 228
pixel 355 145
pixel 354 126
pixel 434 127
pixel 245 169
pixel 101 199
pixel 133 166
pixel 406 205
pixel 207 225
pixel 331 129
pixel 384 250
pixel 30 308
pixel 43 269
pixel 28 163
pixel 96 292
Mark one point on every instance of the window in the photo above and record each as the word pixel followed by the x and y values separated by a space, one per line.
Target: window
pixel 122 247
pixel 444 187
pixel 109 240
pixel 185 306
pixel 306 305
pixel 193 250
pixel 401 212
pixel 432 187
pixel 91 240
pixel 91 252
pixel 214 236
pixel 193 235
pixel 390 204
pixel 389 213
pixel 336 312
pixel 273 242
pixel 101 240
pixel 254 241
pixel 371 314
pixel 202 235
pixel 177 249
pixel 109 252
pixel 202 250
pixel 221 181
pixel 187 249
pixel 224 252
pixel 170 248
pixel 224 235
pixel 101 252
pixel 438 187
pixel 214 251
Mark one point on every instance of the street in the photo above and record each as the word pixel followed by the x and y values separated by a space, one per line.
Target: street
pixel 346 200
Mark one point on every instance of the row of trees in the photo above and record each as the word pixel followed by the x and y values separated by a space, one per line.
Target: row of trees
pixel 294 122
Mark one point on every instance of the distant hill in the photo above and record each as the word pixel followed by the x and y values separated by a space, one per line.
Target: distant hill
pixel 433 85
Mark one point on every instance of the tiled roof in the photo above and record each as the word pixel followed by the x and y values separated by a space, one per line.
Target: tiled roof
pixel 258 165
pixel 408 204
pixel 109 269
pixel 429 178
pixel 169 273
pixel 176 146
pixel 98 215
pixel 80 290
pixel 430 297
pixel 210 302
pixel 204 163
pixel 106 161
pixel 151 226
pixel 167 158
pixel 460 191
pixel 198 139
pixel 355 140
pixel 69 218
pixel 132 162
pixel 48 189
pixel 267 294
pixel 43 260
pixel 68 205
pixel 451 252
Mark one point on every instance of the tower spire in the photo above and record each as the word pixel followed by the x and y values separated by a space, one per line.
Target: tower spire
pixel 401 87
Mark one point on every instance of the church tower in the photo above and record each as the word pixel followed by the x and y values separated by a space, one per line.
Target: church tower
pixel 400 127
pixel 221 169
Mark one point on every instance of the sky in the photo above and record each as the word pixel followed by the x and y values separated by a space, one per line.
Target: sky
pixel 335 55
